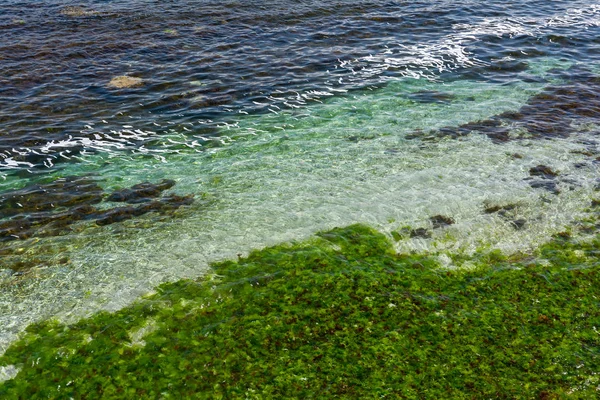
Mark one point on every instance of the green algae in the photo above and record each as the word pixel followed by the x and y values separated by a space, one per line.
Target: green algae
pixel 339 315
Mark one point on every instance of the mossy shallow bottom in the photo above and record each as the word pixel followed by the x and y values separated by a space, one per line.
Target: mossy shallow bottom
pixel 340 315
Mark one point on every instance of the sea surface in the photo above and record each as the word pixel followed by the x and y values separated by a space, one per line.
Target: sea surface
pixel 256 122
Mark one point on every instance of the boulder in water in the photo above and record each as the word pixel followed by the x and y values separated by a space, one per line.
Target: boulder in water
pixel 124 81
pixel 440 221
pixel 141 192
pixel 543 171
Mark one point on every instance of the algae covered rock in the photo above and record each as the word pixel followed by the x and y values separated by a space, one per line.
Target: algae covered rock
pixel 49 209
pixel 441 221
pixel 543 171
pixel 141 192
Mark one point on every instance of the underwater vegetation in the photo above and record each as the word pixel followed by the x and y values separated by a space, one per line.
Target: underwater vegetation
pixel 340 315
pixel 51 209
pixel 554 112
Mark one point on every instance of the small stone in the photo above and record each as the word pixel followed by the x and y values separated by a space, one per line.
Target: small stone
pixel 518 224
pixel 543 171
pixel 440 221
pixel 420 232
pixel 548 185
pixel 502 210
pixel 124 81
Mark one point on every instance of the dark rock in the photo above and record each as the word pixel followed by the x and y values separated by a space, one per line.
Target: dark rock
pixel 64 192
pixel 115 215
pixel 420 232
pixel 518 224
pixel 34 208
pixel 162 205
pixel 543 171
pixel 440 221
pixel 44 223
pixel 174 201
pixel 14 229
pixel 546 184
pixel 500 209
pixel 141 192
pixel 548 114
pixel 50 209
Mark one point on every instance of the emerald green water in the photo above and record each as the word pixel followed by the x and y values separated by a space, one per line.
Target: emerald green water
pixel 284 174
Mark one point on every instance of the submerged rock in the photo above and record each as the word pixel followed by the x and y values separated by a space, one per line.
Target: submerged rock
pixel 44 223
pixel 509 213
pixel 141 192
pixel 440 221
pixel 420 233
pixel 546 115
pixel 519 224
pixel 64 192
pixel 548 185
pixel 115 215
pixel 50 209
pixel 502 210
pixel 547 176
pixel 543 171
pixel 162 205
pixel 120 82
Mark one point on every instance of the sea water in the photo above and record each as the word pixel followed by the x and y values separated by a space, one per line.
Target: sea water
pixel 282 119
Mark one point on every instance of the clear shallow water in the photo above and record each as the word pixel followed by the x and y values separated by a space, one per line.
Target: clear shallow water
pixel 282 119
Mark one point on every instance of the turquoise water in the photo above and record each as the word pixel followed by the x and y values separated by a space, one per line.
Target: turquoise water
pixel 369 144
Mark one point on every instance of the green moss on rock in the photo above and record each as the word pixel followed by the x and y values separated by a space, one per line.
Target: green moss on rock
pixel 340 315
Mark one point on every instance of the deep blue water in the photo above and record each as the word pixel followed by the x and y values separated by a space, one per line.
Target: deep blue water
pixel 210 60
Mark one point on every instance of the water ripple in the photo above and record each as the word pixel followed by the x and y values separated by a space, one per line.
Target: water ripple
pixel 204 65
